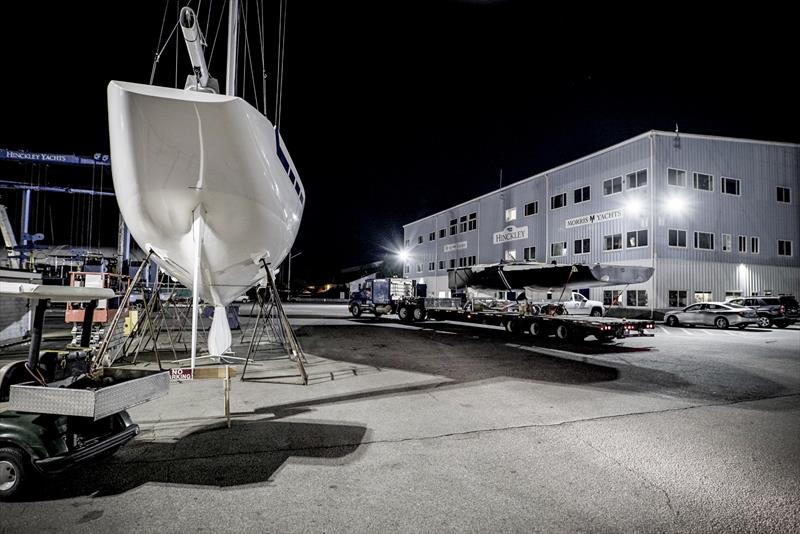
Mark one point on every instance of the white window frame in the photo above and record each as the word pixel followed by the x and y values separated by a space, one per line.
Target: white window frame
pixel 757 240
pixel 472 221
pixel 471 260
pixel 564 249
pixel 452 263
pixel 696 240
pixel 678 298
pixel 582 190
pixel 685 238
pixel 708 296
pixel 526 256
pixel 554 197
pixel 637 238
pixel 685 177
pixel 789 189
pixel 722 188
pixel 791 248
pixel 510 255
pixel 441 265
pixel 730 242
pixel 612 193
pixel 431 265
pixel 636 293
pixel 636 173
pixel 442 233
pixel 408 268
pixel 739 244
pixel 419 267
pixel 582 242
pixel 420 239
pixel 432 236
pixel 710 182
pixel 535 211
pixel 621 243
pixel 511 214
pixel 453 226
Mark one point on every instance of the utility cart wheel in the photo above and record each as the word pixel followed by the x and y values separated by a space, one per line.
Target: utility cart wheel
pixel 562 332
pixel 404 314
pixel 355 309
pixel 13 472
pixel 419 314
pixel 535 329
pixel 721 323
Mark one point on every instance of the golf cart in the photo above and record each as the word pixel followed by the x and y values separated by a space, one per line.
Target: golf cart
pixel 59 409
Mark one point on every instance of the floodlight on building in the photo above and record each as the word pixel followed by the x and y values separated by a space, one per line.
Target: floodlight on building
pixel 634 206
pixel 676 204
pixel 403 256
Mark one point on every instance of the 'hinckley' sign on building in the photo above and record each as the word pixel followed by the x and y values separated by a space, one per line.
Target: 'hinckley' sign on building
pixel 594 218
pixel 511 233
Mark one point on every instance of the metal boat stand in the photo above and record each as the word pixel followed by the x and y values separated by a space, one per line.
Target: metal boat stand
pixel 273 323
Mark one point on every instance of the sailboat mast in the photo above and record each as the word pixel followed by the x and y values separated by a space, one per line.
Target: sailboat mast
pixel 233 47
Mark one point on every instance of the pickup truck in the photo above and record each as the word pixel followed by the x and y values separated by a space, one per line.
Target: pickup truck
pixel 577 304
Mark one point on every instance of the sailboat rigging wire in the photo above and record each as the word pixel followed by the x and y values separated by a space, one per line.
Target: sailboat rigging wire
pixel 208 16
pixel 261 44
pixel 177 41
pixel 158 46
pixel 283 55
pixel 278 61
pixel 250 61
pixel 100 211
pixel 216 34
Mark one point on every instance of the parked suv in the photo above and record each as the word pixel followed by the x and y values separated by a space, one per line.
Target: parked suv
pixel 770 310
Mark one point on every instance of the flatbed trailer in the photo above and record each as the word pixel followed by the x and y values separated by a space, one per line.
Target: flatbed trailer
pixel 563 326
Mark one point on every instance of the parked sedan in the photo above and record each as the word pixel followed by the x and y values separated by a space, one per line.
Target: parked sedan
pixel 719 314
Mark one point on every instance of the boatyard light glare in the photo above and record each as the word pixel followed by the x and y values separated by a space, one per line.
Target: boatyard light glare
pixel 634 206
pixel 403 256
pixel 676 205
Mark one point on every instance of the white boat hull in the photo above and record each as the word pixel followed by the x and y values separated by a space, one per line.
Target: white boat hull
pixel 175 152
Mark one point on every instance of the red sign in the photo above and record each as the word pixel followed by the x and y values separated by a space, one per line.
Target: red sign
pixel 180 373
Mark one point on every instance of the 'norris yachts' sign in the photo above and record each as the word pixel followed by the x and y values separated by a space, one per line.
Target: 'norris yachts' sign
pixel 511 233
pixel 594 218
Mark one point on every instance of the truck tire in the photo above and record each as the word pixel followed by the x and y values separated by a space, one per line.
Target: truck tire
pixel 355 309
pixel 510 326
pixel 419 314
pixel 562 332
pixel 14 472
pixel 596 312
pixel 404 314
pixel 536 329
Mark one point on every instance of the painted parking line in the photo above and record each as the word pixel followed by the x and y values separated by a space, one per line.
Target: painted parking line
pixel 728 333
pixel 665 330
pixel 687 332
pixel 707 332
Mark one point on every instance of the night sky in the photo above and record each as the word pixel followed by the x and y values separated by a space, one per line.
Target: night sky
pixel 395 110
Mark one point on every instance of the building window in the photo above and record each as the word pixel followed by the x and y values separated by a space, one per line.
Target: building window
pixel 702 296
pixel 419 240
pixel 612 186
pixel 510 255
pixel 582 246
pixel 462 262
pixel 784 195
pixel 637 297
pixel 442 233
pixel 676 177
pixel 408 243
pixel 677 238
pixel 452 263
pixel 419 267
pixel 511 214
pixel 471 260
pixel 558 201
pixel 732 294
pixel 742 243
pixel 784 247
pixel 636 179
pixel 677 299
pixel 532 208
pixel 408 268
pixel 612 242
pixel 704 240
pixel 558 249
pixel 431 266
pixel 703 182
pixel 730 186
pixel 636 239
pixel 583 194
pixel 529 253
pixel 453 226
pixel 755 245
pixel 473 221
pixel 441 264
pixel 612 297
pixel 726 243
pixel 432 236
pixel 462 227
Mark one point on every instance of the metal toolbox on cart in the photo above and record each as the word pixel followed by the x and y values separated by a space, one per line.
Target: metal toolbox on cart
pixel 111 391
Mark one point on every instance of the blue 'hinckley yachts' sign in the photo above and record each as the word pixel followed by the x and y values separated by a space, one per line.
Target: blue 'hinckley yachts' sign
pixel 594 218
pixel 511 233
pixel 43 157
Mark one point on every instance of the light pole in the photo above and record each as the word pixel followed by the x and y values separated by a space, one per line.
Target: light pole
pixel 289 276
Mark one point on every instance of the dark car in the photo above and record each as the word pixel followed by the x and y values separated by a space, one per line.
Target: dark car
pixel 770 310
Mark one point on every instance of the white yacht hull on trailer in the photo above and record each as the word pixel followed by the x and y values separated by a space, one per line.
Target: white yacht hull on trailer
pixel 203 174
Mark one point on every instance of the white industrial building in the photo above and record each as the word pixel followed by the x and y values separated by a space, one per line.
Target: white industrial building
pixel 714 216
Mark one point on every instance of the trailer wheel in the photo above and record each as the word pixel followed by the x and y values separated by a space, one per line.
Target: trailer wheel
pixel 355 309
pixel 535 329
pixel 562 332
pixel 13 472
pixel 419 314
pixel 404 314
pixel 596 312
pixel 510 326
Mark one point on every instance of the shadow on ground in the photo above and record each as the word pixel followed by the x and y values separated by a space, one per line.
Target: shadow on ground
pixel 247 453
